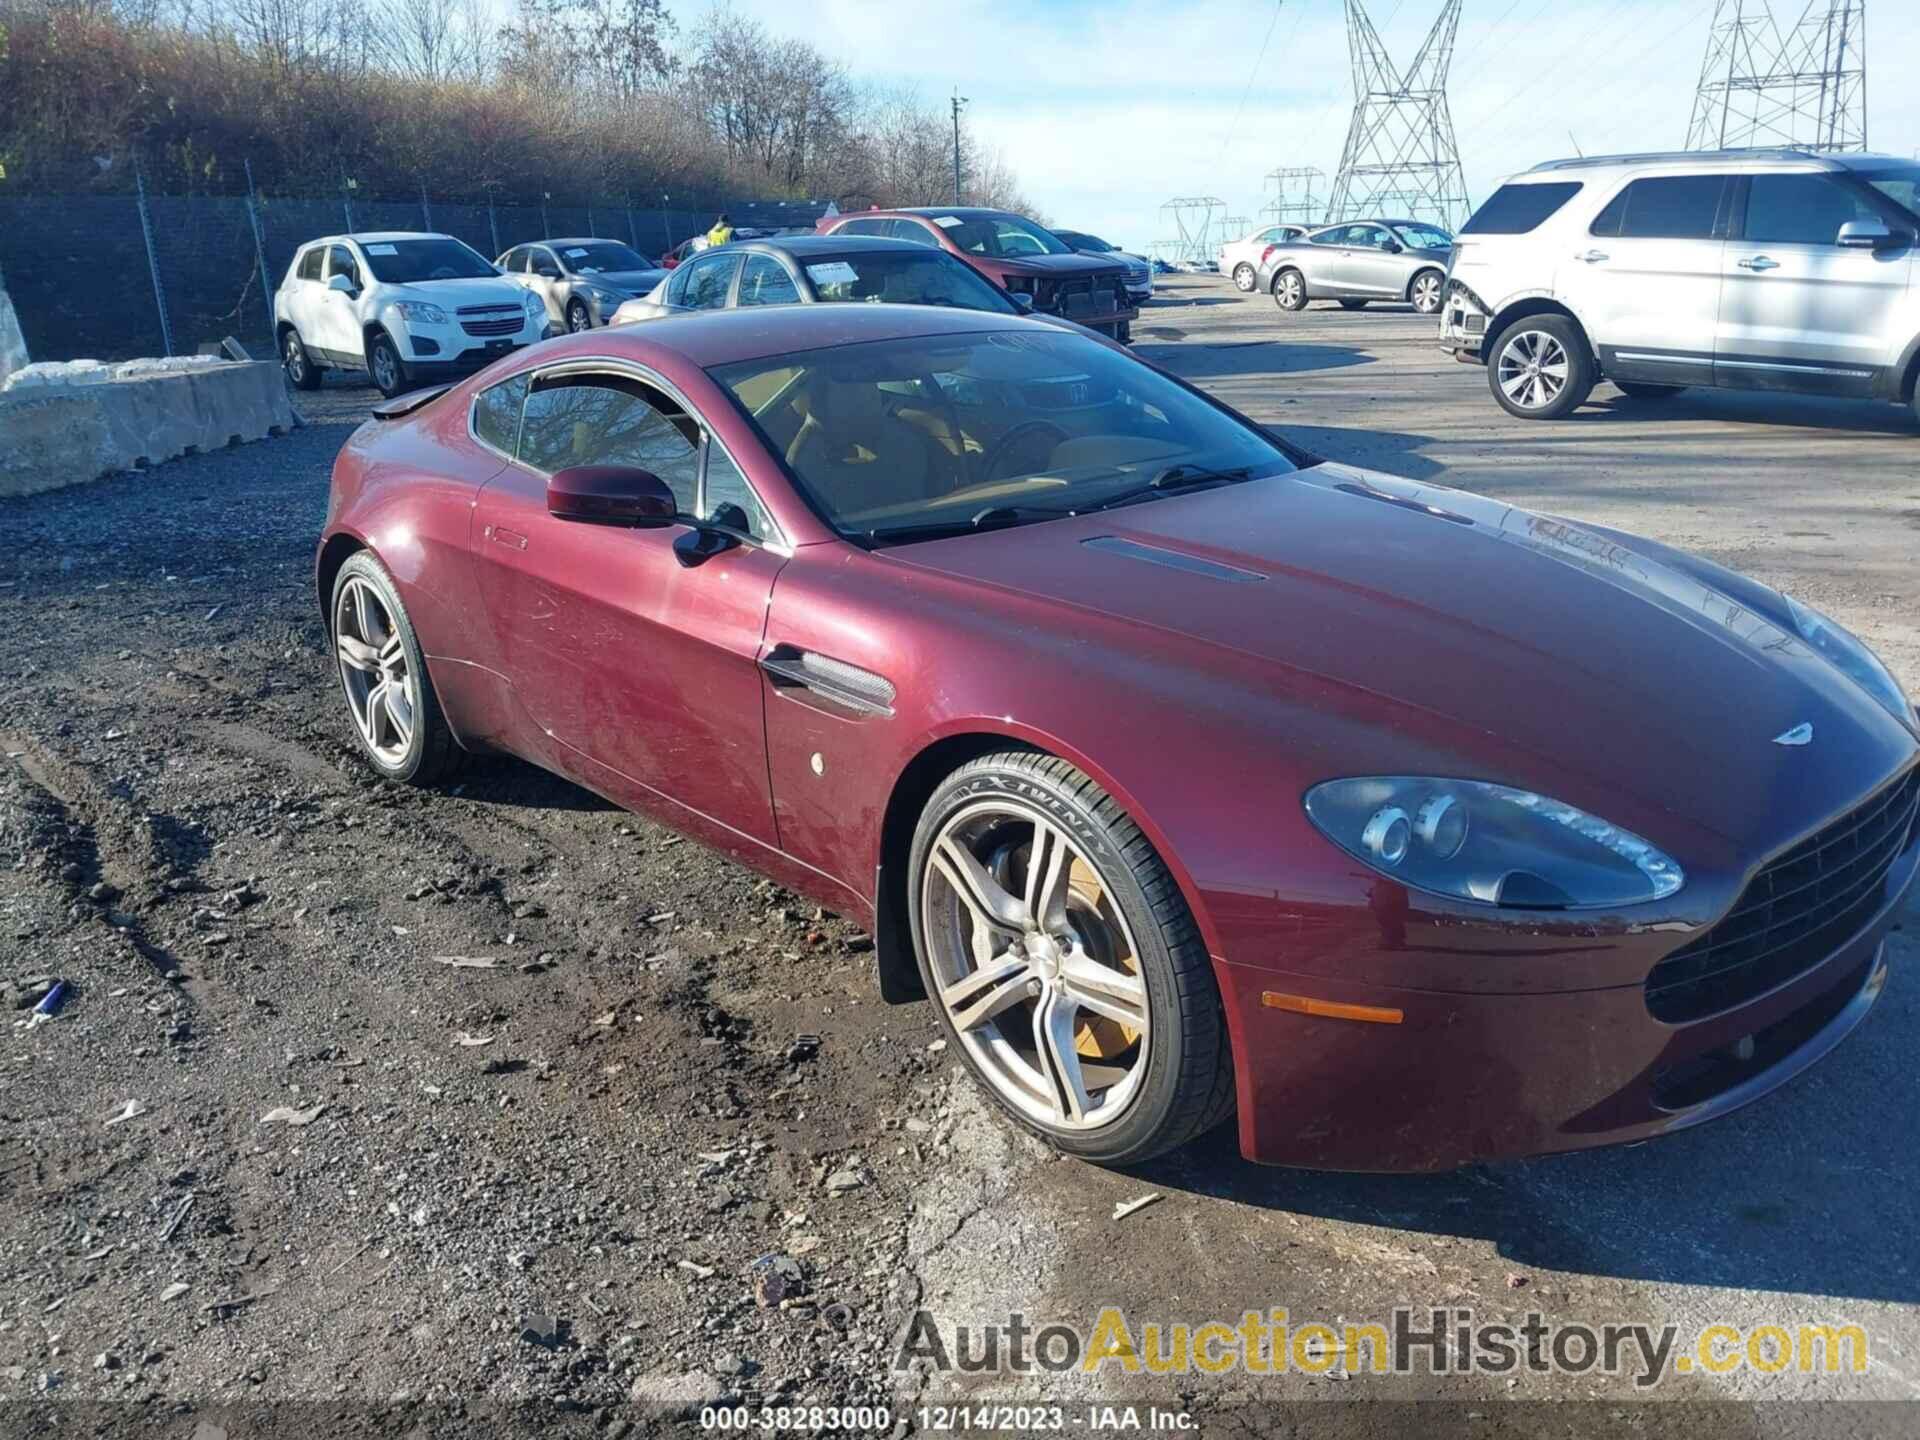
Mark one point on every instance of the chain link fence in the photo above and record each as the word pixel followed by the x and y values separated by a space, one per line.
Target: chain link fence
pixel 112 277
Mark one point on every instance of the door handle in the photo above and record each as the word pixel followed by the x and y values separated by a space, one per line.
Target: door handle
pixel 1758 262
pixel 1592 257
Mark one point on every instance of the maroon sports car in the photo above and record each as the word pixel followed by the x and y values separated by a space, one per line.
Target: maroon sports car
pixel 1182 770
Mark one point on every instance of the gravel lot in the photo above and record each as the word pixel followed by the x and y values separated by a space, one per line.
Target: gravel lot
pixel 551 1178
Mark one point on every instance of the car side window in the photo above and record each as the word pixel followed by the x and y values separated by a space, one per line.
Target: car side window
pixel 708 281
pixel 340 262
pixel 913 230
pixel 541 262
pixel 611 420
pixel 310 263
pixel 513 261
pixel 1336 236
pixel 729 500
pixel 1663 207
pixel 1370 237
pixel 496 414
pixel 1801 210
pixel 863 227
pixel 765 281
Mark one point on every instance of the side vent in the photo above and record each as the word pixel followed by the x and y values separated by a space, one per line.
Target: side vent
pixel 846 687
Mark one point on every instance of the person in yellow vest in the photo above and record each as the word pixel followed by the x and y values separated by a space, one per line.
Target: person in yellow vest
pixel 721 232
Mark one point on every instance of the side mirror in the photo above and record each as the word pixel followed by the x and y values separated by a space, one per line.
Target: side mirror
pixel 612 495
pixel 342 285
pixel 1023 300
pixel 1393 247
pixel 1865 235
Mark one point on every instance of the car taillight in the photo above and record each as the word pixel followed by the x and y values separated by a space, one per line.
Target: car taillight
pixel 1266 252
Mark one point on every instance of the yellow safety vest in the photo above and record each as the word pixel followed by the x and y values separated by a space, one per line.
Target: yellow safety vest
pixel 719 235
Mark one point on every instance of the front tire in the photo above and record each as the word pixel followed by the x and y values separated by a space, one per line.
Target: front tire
pixel 302 373
pixel 384 366
pixel 1290 290
pixel 578 317
pixel 1426 292
pixel 1540 368
pixel 1243 277
pixel 383 674
pixel 1065 963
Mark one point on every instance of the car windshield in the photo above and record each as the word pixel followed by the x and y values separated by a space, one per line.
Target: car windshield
pixel 408 262
pixel 900 440
pixel 1899 184
pixel 926 278
pixel 603 255
pixel 1424 237
pixel 1002 237
pixel 1080 240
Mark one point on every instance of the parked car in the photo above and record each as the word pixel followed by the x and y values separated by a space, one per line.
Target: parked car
pixel 581 282
pixel 1240 259
pixel 1018 255
pixel 1139 272
pixel 1357 261
pixel 815 269
pixel 404 307
pixel 1742 269
pixel 1183 771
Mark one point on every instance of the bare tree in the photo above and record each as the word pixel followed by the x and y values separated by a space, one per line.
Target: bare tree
pixel 431 40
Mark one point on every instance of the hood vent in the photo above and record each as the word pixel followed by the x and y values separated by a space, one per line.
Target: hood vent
pixel 1173 559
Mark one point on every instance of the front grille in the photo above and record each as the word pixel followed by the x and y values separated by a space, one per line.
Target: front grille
pixel 1799 909
pixel 507 326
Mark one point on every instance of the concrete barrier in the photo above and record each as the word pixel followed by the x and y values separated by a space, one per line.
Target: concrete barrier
pixel 13 346
pixel 93 420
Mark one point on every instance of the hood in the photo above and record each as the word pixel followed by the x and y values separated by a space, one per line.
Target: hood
pixel 1517 647
pixel 452 294
pixel 1056 266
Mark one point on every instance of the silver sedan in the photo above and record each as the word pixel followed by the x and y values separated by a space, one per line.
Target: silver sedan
pixel 1360 260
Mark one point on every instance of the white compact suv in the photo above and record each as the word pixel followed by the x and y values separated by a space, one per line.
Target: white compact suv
pixel 1776 270
pixel 405 308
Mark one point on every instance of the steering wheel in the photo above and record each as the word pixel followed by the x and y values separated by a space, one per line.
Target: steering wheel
pixel 990 465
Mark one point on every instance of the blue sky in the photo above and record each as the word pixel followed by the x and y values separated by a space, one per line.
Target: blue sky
pixel 1107 108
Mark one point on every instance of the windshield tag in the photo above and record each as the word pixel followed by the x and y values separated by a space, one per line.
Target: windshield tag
pixel 946 222
pixel 574 254
pixel 381 250
pixel 833 272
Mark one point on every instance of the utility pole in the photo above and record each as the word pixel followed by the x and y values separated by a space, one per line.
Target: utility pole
pixel 1764 85
pixel 958 101
pixel 1400 151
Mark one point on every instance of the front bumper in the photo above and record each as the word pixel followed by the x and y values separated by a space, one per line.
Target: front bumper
pixel 1473 1077
pixel 1463 322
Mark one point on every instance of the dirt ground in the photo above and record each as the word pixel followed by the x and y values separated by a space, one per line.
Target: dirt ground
pixel 669 1146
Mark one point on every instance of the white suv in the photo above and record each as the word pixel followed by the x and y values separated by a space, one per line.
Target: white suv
pixel 405 308
pixel 1775 270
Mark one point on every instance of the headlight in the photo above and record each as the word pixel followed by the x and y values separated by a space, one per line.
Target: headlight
pixel 1851 658
pixel 1489 844
pixel 421 311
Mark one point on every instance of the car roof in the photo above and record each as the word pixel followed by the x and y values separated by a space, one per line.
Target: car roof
pixel 574 240
pixel 944 210
pixel 724 337
pixel 387 237
pixel 802 246
pixel 1820 159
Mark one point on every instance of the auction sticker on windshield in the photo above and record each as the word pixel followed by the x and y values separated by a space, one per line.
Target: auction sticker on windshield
pixel 833 272
pixel 946 222
pixel 381 250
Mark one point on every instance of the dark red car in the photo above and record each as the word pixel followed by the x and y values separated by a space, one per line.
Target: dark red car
pixel 1183 770
pixel 1022 258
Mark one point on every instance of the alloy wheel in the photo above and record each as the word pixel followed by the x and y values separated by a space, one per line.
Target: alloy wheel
pixel 296 358
pixel 1292 291
pixel 1426 294
pixel 386 369
pixel 1533 369
pixel 1034 965
pixel 382 690
pixel 578 319
pixel 1243 277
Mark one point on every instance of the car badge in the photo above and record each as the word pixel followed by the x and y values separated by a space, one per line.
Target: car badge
pixel 1801 734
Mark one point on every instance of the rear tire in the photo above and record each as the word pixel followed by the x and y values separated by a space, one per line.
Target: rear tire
pixel 302 373
pixel 1540 368
pixel 1290 290
pixel 1128 940
pixel 383 674
pixel 1243 277
pixel 1640 390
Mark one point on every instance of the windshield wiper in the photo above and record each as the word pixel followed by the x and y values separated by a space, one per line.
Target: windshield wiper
pixel 1174 477
pixel 994 517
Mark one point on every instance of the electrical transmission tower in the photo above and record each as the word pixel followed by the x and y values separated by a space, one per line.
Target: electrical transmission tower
pixel 1293 197
pixel 1196 222
pixel 1401 157
pixel 1760 86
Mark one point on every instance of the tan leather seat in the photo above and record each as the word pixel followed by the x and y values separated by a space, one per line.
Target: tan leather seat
pixel 857 455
